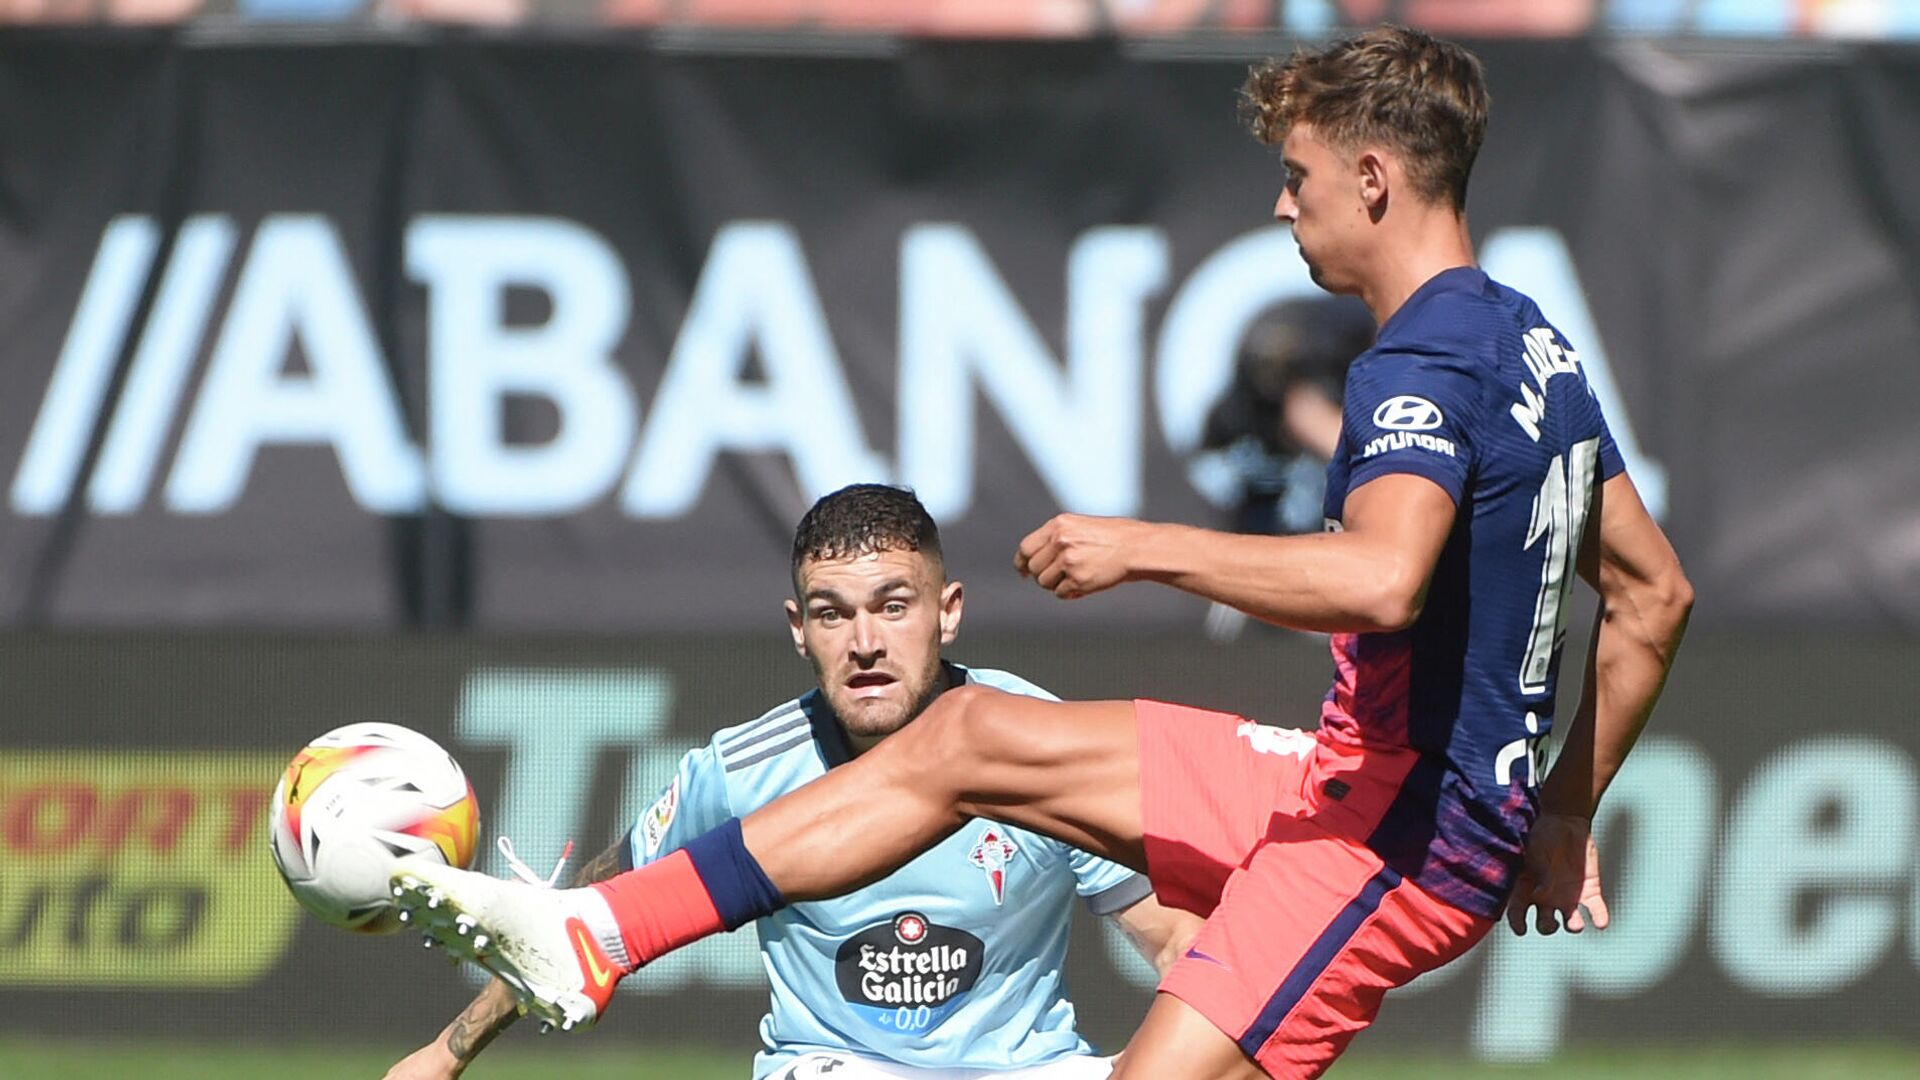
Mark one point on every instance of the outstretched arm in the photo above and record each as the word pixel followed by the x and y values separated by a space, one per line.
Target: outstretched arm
pixel 491 1012
pixel 1161 933
pixel 1370 576
pixel 1645 600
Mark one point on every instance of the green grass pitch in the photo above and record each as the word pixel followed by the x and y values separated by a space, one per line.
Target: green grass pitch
pixel 41 1060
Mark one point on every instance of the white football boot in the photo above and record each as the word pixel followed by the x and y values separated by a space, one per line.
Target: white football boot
pixel 558 949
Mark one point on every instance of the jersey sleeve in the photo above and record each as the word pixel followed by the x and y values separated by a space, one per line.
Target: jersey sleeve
pixel 1612 464
pixel 1412 413
pixel 694 802
pixel 1106 887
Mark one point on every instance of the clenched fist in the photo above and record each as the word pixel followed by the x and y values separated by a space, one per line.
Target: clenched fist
pixel 1074 555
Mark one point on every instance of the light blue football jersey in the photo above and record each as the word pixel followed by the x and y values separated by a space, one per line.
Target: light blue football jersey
pixel 955 961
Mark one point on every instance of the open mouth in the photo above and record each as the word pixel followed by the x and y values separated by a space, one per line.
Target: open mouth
pixel 870 680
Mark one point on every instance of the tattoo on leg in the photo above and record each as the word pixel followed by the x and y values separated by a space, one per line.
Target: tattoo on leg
pixel 478 1025
pixel 601 866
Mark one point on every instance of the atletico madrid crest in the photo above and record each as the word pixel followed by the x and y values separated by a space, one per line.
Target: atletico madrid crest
pixel 993 853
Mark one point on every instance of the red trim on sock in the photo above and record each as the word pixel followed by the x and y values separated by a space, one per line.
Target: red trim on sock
pixel 660 907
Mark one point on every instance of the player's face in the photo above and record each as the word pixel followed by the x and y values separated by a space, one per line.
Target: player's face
pixel 873 626
pixel 1322 199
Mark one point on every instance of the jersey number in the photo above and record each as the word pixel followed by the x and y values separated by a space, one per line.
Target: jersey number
pixel 1559 516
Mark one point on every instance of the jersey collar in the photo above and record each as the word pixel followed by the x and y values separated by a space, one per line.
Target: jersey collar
pixel 1452 279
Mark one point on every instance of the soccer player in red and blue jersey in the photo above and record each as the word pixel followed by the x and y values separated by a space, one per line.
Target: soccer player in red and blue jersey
pixel 1474 481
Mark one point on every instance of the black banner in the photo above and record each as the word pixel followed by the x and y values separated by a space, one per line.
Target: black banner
pixel 541 334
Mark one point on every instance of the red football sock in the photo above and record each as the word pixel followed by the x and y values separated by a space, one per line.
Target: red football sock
pixel 660 907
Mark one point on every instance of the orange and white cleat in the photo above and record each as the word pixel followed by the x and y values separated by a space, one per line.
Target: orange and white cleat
pixel 558 949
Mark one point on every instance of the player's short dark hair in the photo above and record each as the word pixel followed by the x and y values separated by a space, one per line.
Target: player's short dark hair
pixel 1390 86
pixel 863 518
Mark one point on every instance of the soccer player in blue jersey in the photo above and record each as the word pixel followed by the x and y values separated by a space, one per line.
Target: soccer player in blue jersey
pixel 950 965
pixel 1475 479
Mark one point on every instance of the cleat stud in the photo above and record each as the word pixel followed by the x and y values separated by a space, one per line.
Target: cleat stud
pixel 426 941
pixel 546 1027
pixel 405 915
pixel 567 1025
pixel 481 941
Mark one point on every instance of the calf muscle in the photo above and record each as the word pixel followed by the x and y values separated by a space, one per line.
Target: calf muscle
pixel 1070 770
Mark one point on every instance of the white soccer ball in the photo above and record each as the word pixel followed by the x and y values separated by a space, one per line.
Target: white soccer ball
pixel 354 802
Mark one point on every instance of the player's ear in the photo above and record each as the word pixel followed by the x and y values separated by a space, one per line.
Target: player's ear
pixel 1370 171
pixel 797 624
pixel 952 600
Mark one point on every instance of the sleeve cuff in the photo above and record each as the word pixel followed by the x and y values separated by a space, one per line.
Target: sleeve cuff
pixel 1120 897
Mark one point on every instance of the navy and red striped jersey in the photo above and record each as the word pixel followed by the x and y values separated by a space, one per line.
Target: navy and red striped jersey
pixel 1469 386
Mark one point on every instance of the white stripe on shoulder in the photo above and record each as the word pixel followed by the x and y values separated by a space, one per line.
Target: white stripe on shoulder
pixel 766 733
pixel 803 738
pixel 731 740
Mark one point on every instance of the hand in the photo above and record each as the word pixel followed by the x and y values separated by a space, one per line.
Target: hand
pixel 1074 555
pixel 431 1062
pixel 1561 876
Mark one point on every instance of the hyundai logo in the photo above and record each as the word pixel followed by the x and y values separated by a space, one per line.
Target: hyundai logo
pixel 1407 413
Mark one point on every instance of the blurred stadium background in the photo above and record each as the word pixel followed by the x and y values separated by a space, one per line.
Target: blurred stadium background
pixel 466 363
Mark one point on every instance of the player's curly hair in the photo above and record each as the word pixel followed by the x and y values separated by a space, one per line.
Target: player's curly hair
pixel 1391 86
pixel 863 518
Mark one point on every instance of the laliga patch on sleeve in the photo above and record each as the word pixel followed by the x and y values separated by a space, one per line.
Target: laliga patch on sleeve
pixel 659 818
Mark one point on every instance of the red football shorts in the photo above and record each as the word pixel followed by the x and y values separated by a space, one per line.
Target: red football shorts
pixel 1263 830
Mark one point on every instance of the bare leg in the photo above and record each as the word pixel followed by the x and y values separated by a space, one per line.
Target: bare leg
pixel 1176 1041
pixel 1070 770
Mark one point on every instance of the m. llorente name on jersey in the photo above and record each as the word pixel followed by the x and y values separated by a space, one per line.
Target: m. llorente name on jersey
pixel 1544 357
